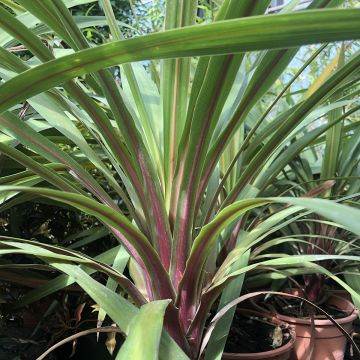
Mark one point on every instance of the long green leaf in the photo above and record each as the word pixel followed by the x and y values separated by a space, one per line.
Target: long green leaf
pixel 333 136
pixel 292 121
pixel 189 286
pixel 45 172
pixel 63 280
pixel 269 67
pixel 18 129
pixel 255 33
pixel 210 93
pixel 132 238
pixel 175 81
pixel 109 300
pixel 219 336
pixel 145 330
pixel 55 15
pixel 294 149
pixel 97 115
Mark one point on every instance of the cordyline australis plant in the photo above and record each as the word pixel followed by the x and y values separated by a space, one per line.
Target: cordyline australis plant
pixel 193 153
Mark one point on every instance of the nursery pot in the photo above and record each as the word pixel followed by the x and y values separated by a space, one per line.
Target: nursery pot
pixel 284 352
pixel 329 341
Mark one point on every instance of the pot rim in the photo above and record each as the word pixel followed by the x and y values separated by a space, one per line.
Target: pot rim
pixel 352 315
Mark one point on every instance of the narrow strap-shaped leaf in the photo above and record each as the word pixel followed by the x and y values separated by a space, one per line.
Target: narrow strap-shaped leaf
pixel 294 260
pixel 63 280
pixel 250 135
pixel 349 150
pixel 264 134
pixel 120 261
pixel 269 69
pixel 219 336
pixel 117 222
pixel 113 141
pixel 45 172
pixel 175 82
pixel 109 300
pixel 13 126
pixel 53 253
pixel 279 221
pixel 306 261
pixel 270 66
pixel 211 93
pixel 23 176
pixel 34 44
pixel 82 22
pixel 353 280
pixel 13 6
pixel 137 91
pixel 274 223
pixel 53 108
pixel 144 333
pixel 223 311
pixel 230 9
pixel 294 149
pixel 293 120
pixel 333 135
pixel 53 111
pixel 11 61
pixel 160 232
pixel 319 26
pixel 188 287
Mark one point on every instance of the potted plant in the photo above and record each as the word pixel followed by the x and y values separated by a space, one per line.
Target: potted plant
pixel 330 161
pixel 158 148
pixel 316 336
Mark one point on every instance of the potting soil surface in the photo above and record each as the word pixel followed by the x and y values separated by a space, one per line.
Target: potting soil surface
pixel 250 335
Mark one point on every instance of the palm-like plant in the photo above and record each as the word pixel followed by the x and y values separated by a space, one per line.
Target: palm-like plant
pixel 164 143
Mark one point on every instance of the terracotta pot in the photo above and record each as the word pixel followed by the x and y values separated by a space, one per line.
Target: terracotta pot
pixel 282 353
pixel 329 342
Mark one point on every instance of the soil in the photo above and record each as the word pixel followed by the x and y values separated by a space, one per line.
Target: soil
pixel 254 334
